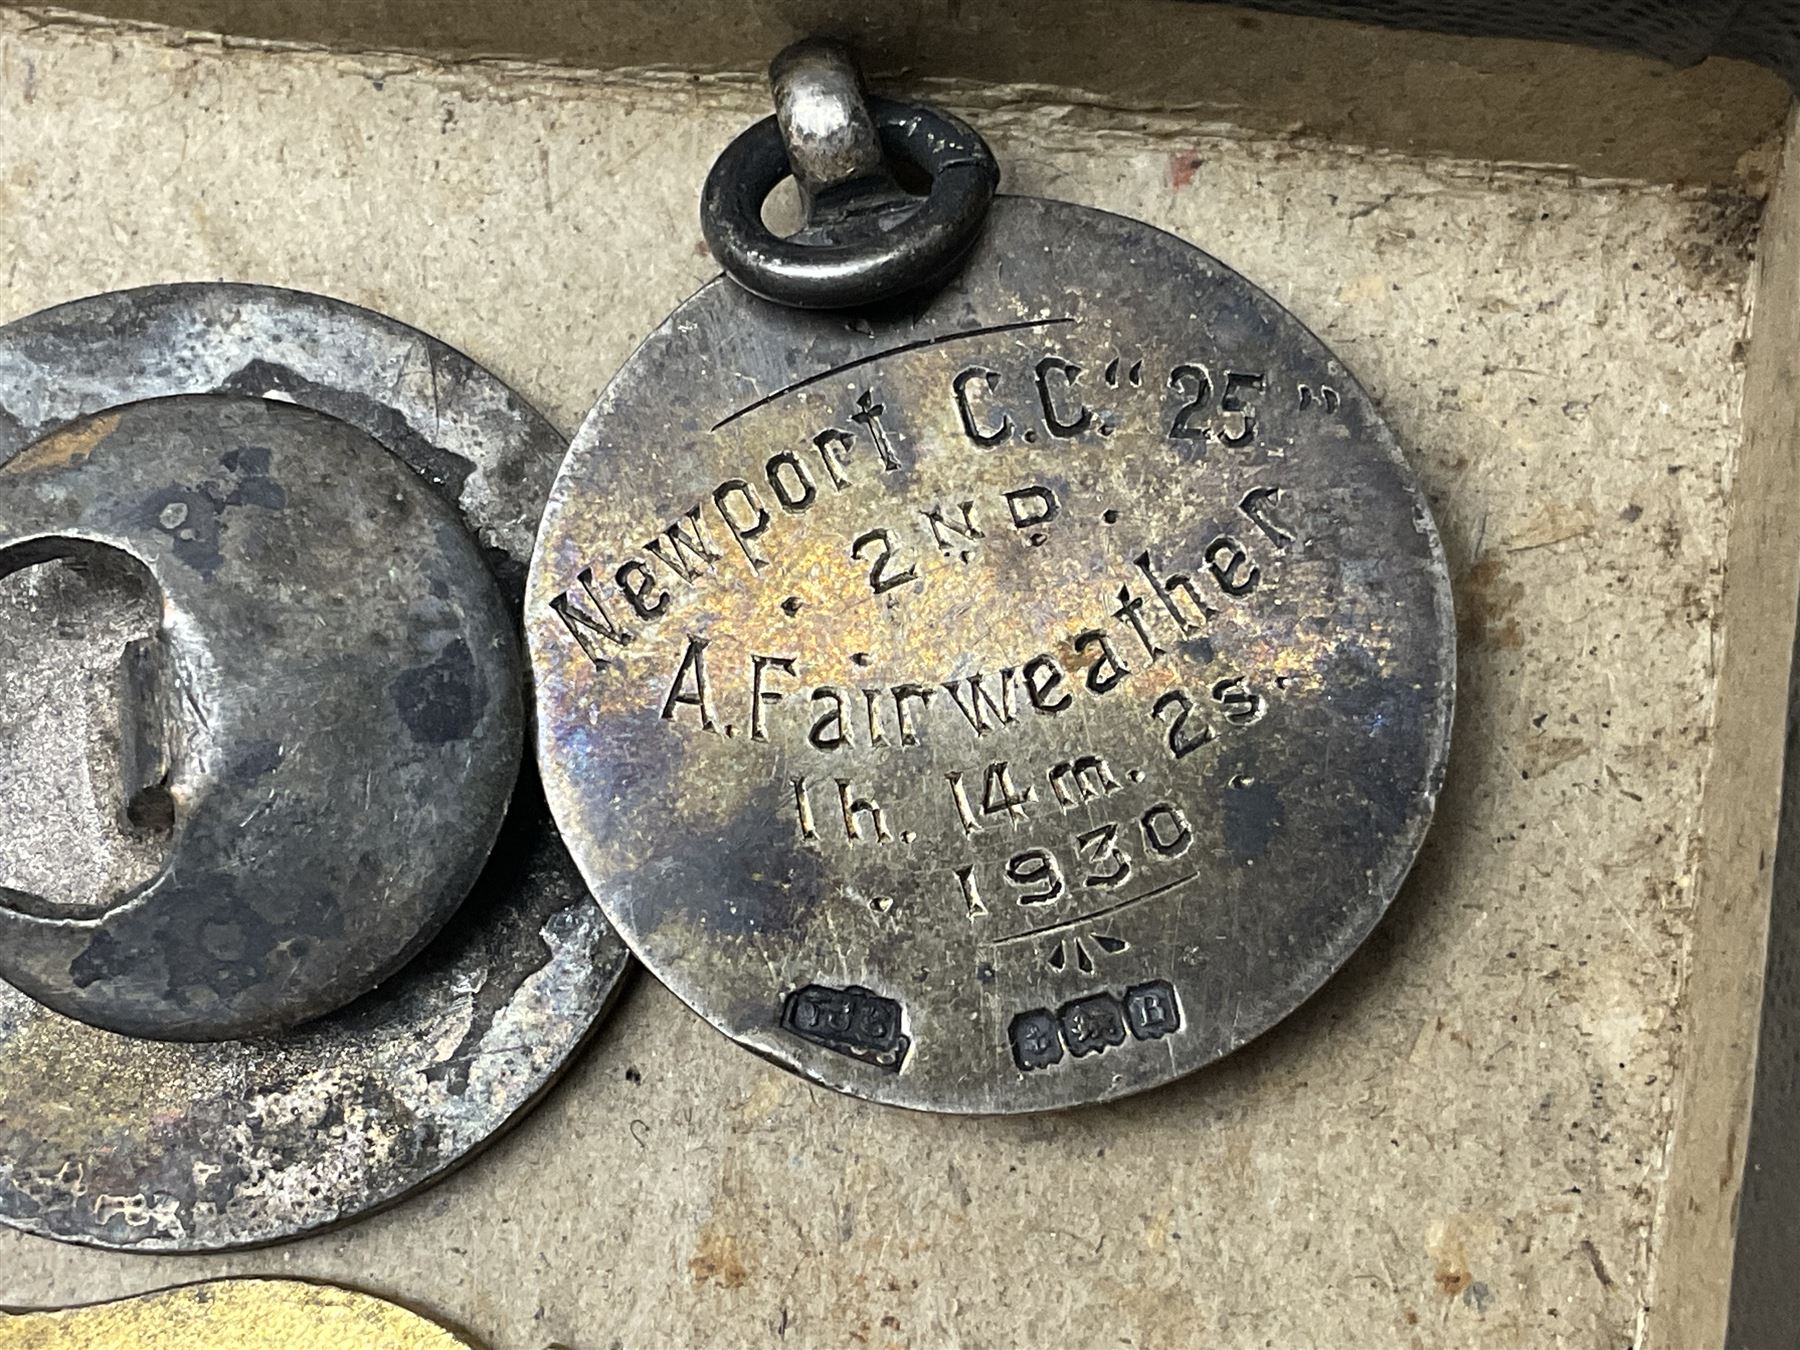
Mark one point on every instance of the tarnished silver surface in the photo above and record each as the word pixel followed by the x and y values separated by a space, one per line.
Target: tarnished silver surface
pixel 326 727
pixel 115 1141
pixel 1015 699
pixel 473 439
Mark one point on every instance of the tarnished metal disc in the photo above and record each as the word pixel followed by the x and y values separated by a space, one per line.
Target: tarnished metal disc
pixel 1009 702
pixel 115 1141
pixel 325 726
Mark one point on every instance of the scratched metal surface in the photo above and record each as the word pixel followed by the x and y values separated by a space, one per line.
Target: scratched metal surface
pixel 1024 697
pixel 324 731
pixel 480 445
pixel 116 1141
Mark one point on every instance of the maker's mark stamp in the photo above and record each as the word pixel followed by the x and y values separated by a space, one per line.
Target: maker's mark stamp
pixel 853 1021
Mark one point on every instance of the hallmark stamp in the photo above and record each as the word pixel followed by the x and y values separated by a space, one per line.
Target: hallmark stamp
pixel 853 1021
pixel 1036 1040
pixel 1094 1024
pixel 1151 1010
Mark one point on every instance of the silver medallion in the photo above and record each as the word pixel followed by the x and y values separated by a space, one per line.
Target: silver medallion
pixel 1004 696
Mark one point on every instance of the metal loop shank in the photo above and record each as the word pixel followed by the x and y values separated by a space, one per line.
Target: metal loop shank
pixel 856 259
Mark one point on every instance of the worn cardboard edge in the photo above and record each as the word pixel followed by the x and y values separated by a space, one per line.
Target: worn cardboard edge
pixel 1027 111
pixel 1141 65
pixel 1723 963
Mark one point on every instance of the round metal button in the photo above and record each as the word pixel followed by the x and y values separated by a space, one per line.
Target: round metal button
pixel 1016 701
pixel 151 1145
pixel 326 725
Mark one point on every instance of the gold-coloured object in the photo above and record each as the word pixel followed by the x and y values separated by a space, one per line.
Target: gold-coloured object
pixel 232 1315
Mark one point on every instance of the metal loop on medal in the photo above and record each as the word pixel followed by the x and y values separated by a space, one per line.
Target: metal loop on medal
pixel 914 251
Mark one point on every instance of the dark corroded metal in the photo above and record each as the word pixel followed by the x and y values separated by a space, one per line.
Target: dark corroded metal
pixel 326 725
pixel 1013 700
pixel 166 1146
pixel 865 239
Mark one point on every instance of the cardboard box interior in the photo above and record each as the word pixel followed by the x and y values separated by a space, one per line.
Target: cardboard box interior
pixel 1569 281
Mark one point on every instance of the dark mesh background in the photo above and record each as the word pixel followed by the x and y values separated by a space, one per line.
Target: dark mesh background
pixel 1682 31
pixel 1766 31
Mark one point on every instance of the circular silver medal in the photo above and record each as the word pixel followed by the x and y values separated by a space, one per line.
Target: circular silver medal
pixel 1001 700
